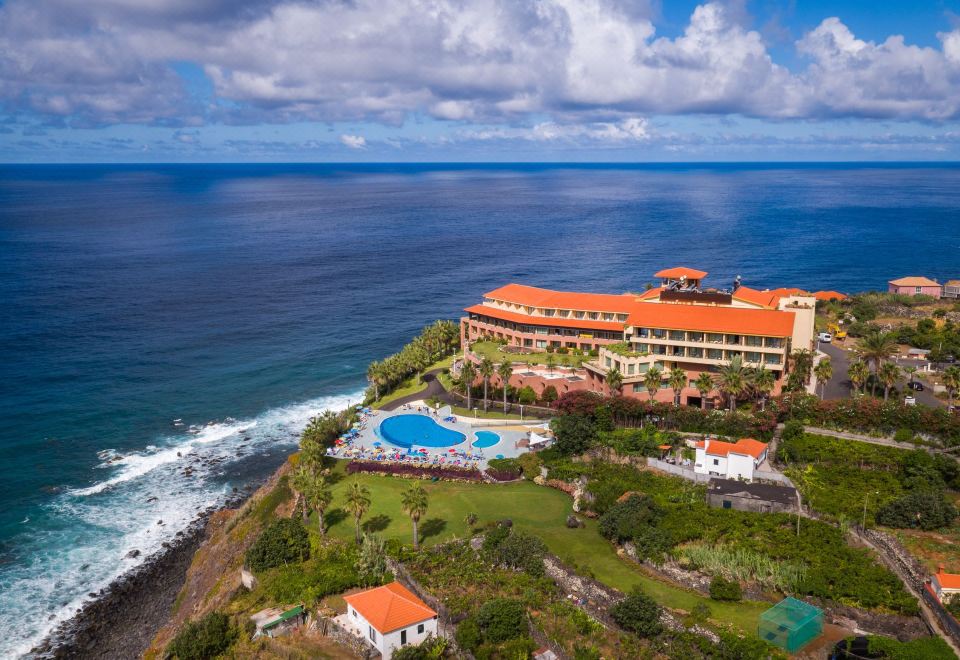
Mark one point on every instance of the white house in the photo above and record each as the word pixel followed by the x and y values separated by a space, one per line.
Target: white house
pixel 389 617
pixel 945 585
pixel 731 460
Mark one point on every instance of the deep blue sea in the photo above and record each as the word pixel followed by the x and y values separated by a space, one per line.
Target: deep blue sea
pixel 242 299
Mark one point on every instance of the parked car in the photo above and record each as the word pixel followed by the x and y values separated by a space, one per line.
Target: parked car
pixel 825 337
pixel 915 385
pixel 909 400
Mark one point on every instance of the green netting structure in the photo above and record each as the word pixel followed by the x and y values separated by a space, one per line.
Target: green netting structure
pixel 790 624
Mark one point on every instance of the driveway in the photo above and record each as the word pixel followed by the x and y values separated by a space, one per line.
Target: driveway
pixel 839 387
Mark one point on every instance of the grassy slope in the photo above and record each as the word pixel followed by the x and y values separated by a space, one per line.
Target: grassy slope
pixel 492 350
pixel 538 509
pixel 412 385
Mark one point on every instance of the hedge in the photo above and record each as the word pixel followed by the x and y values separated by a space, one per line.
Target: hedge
pixel 446 472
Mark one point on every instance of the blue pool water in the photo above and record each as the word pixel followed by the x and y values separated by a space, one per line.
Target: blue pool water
pixel 486 439
pixel 408 430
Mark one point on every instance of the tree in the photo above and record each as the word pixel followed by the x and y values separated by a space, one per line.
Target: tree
pixel 523 551
pixel 638 613
pixel 358 503
pixel 486 370
pixel 319 496
pixel 704 385
pixel 300 482
pixel 526 396
pixel 924 510
pixel 911 371
pixel 375 372
pixel 551 362
pixel 875 348
pixel 951 380
pixel 732 380
pixel 414 503
pixel 823 373
pixel 505 371
pixel 372 560
pixel 285 541
pixel 652 381
pixel 209 637
pixel 468 374
pixel 574 433
pixel 888 376
pixel 614 381
pixel 677 379
pixel 549 394
pixel 858 372
pixel 762 381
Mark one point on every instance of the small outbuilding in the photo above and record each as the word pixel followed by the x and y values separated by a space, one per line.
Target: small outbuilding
pixel 759 498
pixel 945 585
pixel 273 622
pixel 791 624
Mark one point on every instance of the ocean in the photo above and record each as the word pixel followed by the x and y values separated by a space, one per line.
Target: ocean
pixel 242 299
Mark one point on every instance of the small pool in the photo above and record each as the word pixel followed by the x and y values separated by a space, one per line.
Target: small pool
pixel 409 430
pixel 486 439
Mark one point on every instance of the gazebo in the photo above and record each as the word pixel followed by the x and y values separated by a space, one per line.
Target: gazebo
pixel 791 624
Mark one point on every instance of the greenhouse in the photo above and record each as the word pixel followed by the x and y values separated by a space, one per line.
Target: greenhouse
pixel 791 624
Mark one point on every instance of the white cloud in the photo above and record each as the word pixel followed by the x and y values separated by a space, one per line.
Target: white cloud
pixel 354 141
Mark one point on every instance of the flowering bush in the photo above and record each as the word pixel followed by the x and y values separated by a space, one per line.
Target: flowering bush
pixel 417 471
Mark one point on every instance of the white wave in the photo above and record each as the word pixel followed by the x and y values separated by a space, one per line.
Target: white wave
pixel 89 545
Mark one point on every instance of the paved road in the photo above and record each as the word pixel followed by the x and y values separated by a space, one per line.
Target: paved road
pixel 839 387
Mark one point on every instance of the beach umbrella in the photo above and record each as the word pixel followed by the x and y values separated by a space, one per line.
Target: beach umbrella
pixel 452 450
pixel 377 443
pixel 499 455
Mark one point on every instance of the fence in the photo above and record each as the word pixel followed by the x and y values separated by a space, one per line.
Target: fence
pixel 679 471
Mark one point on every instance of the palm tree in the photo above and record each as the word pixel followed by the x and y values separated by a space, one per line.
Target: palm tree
pixel 358 503
pixel 802 364
pixel 858 372
pixel 677 379
pixel 614 381
pixel 875 348
pixel 888 376
pixel 468 374
pixel 551 362
pixel 762 381
pixel 732 380
pixel 911 371
pixel 374 375
pixel 823 373
pixel 300 483
pixel 505 371
pixel 486 371
pixel 319 497
pixel 414 502
pixel 704 384
pixel 951 380
pixel 652 381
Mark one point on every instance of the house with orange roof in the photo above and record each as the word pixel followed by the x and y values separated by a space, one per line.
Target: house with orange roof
pixel 680 324
pixel 945 585
pixel 730 460
pixel 388 617
pixel 829 295
pixel 915 286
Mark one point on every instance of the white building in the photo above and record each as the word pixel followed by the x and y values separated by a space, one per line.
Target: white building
pixel 731 460
pixel 389 617
pixel 945 585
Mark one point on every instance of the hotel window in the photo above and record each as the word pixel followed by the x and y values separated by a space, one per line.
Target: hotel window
pixel 678 351
pixel 753 356
pixel 659 350
pixel 644 368
pixel 571 344
pixel 641 348
pixel 643 333
pixel 715 338
pixel 631 369
pixel 677 335
pixel 695 336
pixel 579 315
pixel 622 317
pixel 609 363
pixel 733 339
pixel 549 312
pixel 773 342
pixel 659 334
pixel 695 352
pixel 607 316
pixel 541 343
pixel 593 315
pixel 715 354
pixel 541 331
pixel 773 359
pixel 639 387
pixel 753 341
pixel 528 342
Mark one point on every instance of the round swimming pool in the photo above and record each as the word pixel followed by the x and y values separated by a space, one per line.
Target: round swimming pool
pixel 409 430
pixel 486 439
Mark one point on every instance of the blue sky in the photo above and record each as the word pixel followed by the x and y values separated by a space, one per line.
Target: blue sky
pixel 478 80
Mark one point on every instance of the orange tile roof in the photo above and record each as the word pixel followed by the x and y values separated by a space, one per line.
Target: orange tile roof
pixel 705 318
pixel 532 296
pixel 829 295
pixel 544 321
pixel 914 281
pixel 948 580
pixel 746 446
pixel 650 294
pixel 783 292
pixel 754 297
pixel 681 271
pixel 390 607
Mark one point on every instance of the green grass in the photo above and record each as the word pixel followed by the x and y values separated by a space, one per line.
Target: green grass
pixel 538 509
pixel 413 385
pixel 492 350
pixel 490 414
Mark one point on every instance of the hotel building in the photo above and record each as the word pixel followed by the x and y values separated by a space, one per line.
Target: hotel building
pixel 679 324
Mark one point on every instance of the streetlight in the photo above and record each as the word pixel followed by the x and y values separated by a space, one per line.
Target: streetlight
pixel 521 412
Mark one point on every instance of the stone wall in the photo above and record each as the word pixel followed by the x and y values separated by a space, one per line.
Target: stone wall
pixel 330 628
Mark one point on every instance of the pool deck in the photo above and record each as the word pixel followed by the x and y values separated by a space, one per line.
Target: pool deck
pixel 510 432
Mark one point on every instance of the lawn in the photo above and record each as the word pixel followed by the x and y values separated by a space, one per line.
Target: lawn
pixel 412 385
pixel 538 509
pixel 492 350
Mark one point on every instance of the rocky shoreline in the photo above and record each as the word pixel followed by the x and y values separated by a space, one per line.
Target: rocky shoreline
pixel 123 619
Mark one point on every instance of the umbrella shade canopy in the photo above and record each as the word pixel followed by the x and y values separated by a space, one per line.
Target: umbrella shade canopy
pixel 499 455
pixel 377 443
pixel 452 451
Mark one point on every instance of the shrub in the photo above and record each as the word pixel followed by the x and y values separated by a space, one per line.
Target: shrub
pixel 625 520
pixel 206 638
pixel 529 464
pixel 549 394
pixel 903 435
pixel 727 590
pixel 494 537
pixel 574 433
pixel 502 619
pixel 586 653
pixel 430 648
pixel 924 510
pixel 504 469
pixel 526 396
pixel 285 541
pixel 331 570
pixel 791 431
pixel 638 613
pixel 468 634
pixel 452 472
pixel 523 551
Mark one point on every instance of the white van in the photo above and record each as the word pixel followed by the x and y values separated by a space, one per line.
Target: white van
pixel 825 337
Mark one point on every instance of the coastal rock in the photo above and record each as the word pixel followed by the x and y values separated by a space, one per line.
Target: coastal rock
pixel 133 554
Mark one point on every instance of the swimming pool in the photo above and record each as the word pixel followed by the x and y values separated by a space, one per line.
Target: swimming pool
pixel 409 430
pixel 486 439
